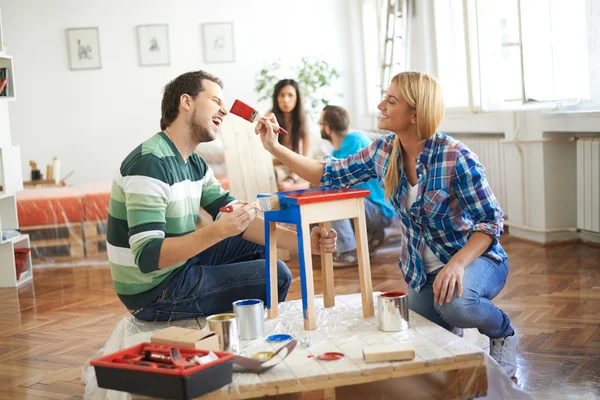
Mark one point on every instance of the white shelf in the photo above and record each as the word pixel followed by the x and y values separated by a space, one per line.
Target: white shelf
pixel 9 218
pixel 15 239
pixel 26 276
pixel 11 175
pixel 8 271
pixel 6 195
pixel 6 61
pixel 11 180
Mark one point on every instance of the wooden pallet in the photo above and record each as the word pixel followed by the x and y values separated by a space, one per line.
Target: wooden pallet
pixel 95 237
pixel 459 364
pixel 437 350
pixel 55 241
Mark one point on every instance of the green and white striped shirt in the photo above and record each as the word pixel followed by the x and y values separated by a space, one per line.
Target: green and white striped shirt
pixel 156 195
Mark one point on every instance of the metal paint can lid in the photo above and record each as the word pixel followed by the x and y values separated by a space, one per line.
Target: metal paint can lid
pixel 279 338
pixel 392 294
pixel 263 355
pixel 330 356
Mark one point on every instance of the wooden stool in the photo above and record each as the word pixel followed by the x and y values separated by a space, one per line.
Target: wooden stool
pixel 305 207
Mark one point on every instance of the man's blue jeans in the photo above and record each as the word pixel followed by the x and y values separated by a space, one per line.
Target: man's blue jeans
pixel 210 282
pixel 482 281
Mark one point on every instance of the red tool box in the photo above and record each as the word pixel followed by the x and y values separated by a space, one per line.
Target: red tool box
pixel 163 371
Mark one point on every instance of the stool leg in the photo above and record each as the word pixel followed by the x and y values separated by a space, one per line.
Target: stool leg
pixel 306 276
pixel 327 273
pixel 364 264
pixel 271 260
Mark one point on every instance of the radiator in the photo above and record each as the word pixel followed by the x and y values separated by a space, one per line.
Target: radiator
pixel 588 184
pixel 491 154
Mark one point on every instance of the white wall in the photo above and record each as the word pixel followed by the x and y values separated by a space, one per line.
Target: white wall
pixel 92 119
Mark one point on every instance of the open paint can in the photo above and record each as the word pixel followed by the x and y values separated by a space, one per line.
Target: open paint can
pixel 226 327
pixel 251 318
pixel 392 310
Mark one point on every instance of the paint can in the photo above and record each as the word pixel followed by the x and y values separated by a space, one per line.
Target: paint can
pixel 226 327
pixel 392 310
pixel 251 318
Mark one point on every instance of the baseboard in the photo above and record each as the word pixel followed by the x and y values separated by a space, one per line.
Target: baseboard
pixel 545 238
pixel 540 244
pixel 590 238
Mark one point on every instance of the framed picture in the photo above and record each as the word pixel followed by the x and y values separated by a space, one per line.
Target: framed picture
pixel 153 44
pixel 217 40
pixel 84 48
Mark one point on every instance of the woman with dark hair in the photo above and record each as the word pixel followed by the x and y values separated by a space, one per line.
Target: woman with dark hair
pixel 288 108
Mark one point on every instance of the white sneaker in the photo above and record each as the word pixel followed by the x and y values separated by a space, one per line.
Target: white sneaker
pixel 458 332
pixel 504 351
pixel 347 259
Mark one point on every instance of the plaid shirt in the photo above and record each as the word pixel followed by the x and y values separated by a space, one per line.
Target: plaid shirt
pixel 454 199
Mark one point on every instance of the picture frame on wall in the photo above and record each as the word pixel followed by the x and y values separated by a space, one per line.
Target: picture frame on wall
pixel 153 44
pixel 217 41
pixel 84 48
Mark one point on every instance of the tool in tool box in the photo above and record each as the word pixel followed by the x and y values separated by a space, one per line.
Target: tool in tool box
pixel 157 356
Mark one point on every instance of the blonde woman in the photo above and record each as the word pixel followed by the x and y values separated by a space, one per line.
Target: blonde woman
pixel 451 221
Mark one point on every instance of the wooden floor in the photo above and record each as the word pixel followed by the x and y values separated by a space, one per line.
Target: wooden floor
pixel 50 328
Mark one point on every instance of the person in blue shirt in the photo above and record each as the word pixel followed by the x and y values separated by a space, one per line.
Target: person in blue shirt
pixel 334 122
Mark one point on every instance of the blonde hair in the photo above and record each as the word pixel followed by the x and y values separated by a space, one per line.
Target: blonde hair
pixel 423 94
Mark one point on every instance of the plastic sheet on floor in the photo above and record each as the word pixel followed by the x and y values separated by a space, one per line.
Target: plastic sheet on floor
pixel 66 224
pixel 333 323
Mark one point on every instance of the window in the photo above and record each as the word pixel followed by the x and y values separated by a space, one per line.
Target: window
pixel 451 52
pixel 371 44
pixel 496 54
pixel 555 56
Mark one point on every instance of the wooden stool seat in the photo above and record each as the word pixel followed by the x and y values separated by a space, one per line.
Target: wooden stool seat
pixel 310 206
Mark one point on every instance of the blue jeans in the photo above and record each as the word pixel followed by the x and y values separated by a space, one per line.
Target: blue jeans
pixel 210 282
pixel 482 281
pixel 376 221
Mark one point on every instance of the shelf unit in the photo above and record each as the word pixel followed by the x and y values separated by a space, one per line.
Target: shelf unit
pixel 9 221
pixel 8 272
pixel 6 61
pixel 11 181
pixel 11 174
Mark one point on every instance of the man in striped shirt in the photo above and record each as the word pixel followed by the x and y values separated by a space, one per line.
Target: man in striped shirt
pixel 162 267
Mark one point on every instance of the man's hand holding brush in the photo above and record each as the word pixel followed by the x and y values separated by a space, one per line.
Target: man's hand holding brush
pixel 236 221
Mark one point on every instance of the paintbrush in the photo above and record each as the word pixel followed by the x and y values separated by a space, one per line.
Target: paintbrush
pixel 243 110
pixel 231 207
pixel 268 202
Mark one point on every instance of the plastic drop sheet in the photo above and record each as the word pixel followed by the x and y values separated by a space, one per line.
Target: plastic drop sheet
pixel 341 328
pixel 66 224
